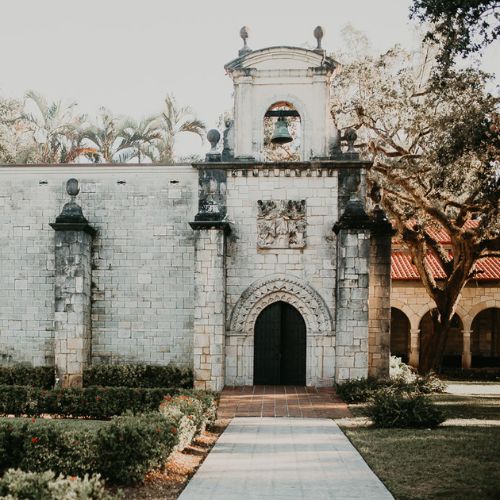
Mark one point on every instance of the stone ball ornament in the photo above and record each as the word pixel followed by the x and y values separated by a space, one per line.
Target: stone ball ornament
pixel 213 136
pixel 72 187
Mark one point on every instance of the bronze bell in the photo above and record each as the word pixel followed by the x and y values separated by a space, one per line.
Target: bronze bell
pixel 281 134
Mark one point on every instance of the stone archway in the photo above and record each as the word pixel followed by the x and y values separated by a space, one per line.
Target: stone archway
pixel 320 338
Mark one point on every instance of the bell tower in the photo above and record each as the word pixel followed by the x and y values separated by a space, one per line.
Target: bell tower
pixel 282 83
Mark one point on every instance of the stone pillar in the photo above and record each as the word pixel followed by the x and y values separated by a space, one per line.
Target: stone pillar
pixel 210 301
pixel 466 350
pixel 414 347
pixel 210 281
pixel 353 251
pixel 73 269
pixel 379 341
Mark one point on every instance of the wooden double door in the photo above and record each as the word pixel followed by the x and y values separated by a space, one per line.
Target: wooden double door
pixel 280 346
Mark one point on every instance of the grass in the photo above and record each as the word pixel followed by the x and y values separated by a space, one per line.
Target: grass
pixel 448 462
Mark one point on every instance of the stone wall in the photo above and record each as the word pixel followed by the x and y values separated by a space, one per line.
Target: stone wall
pixel 142 262
pixel 313 265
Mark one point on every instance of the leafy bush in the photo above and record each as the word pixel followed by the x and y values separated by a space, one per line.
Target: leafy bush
pixel 17 484
pixel 403 379
pixel 138 376
pixel 122 450
pixel 186 425
pixel 390 408
pixel 360 390
pixel 130 446
pixel 91 402
pixel 38 376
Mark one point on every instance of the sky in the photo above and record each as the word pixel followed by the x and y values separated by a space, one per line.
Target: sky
pixel 126 55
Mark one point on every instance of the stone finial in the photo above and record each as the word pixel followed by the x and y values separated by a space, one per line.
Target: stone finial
pixel 72 212
pixel 318 34
pixel 350 137
pixel 244 36
pixel 213 136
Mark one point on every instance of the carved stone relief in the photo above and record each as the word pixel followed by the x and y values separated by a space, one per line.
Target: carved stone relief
pixel 281 224
pixel 280 288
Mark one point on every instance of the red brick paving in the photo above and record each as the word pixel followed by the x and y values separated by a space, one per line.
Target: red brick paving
pixel 281 401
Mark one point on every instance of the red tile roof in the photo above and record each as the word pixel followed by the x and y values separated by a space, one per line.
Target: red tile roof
pixel 402 268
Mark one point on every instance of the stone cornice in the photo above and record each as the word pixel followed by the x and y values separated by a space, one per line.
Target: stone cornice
pixel 73 226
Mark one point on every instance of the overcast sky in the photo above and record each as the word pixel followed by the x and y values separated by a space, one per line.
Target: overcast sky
pixel 127 55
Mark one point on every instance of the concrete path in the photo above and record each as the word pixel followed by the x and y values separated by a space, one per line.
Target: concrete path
pixel 279 458
pixel 472 389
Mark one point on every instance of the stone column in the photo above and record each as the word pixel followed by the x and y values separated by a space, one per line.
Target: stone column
pixel 379 341
pixel 414 347
pixel 210 281
pixel 353 251
pixel 72 318
pixel 466 350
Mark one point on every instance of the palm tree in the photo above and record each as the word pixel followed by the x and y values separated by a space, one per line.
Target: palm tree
pixel 141 138
pixel 107 138
pixel 176 120
pixel 56 130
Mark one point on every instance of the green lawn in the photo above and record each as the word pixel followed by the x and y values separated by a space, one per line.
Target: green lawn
pixel 447 462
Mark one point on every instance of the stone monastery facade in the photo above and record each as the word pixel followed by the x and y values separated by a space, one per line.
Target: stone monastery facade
pixel 248 269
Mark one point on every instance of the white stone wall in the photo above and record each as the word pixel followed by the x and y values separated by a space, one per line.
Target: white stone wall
pixel 143 260
pixel 313 265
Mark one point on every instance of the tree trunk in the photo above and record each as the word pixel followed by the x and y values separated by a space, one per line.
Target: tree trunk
pixel 433 347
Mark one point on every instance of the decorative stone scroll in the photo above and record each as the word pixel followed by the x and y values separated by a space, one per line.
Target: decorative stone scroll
pixel 284 288
pixel 281 224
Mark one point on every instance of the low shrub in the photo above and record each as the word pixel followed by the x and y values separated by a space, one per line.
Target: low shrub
pixel 35 376
pixel 186 425
pixel 392 408
pixel 130 446
pixel 138 376
pixel 89 402
pixel 17 484
pixel 122 450
pixel 403 379
pixel 360 390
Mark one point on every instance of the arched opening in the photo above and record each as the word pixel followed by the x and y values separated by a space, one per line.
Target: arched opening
pixel 289 151
pixel 452 357
pixel 280 346
pixel 485 338
pixel 400 334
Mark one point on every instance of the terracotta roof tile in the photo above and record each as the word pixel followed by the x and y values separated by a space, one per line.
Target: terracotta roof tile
pixel 403 269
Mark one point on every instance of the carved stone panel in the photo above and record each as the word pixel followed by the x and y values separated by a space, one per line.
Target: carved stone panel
pixel 281 224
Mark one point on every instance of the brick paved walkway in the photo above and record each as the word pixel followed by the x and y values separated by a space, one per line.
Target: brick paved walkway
pixel 281 401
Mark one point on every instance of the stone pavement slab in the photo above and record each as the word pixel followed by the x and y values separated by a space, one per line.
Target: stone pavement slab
pixel 281 401
pixel 278 458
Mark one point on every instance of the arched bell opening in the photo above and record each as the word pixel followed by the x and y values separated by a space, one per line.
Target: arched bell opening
pixel 282 133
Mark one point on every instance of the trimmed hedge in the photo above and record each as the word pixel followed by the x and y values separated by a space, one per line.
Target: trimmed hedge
pixel 17 484
pixel 123 450
pixel 361 390
pixel 35 376
pixel 91 402
pixel 138 376
pixel 389 408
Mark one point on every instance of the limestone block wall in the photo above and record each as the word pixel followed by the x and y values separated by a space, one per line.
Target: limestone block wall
pixel 411 298
pixel 313 265
pixel 142 260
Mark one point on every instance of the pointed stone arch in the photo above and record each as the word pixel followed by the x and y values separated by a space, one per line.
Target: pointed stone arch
pixel 275 288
